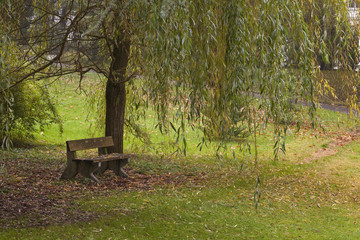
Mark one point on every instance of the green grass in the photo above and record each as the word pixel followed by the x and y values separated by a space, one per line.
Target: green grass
pixel 73 109
pixel 305 195
pixel 213 212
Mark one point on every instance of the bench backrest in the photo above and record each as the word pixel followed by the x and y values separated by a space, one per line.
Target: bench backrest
pixel 90 143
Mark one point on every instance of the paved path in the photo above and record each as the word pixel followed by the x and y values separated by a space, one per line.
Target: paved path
pixel 336 108
pixel 331 107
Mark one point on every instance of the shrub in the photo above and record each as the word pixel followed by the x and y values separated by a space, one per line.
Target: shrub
pixel 31 108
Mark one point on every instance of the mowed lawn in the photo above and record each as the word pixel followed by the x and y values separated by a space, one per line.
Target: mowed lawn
pixel 312 192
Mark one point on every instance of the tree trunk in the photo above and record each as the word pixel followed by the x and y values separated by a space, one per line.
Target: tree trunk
pixel 116 95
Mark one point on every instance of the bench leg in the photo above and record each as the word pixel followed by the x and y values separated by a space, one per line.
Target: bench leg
pixel 87 168
pixel 104 166
pixel 70 171
pixel 117 165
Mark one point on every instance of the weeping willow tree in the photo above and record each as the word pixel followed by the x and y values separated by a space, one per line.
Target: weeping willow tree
pixel 208 58
pixel 214 57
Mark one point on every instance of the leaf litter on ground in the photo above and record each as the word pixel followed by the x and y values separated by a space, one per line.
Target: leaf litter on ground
pixel 31 193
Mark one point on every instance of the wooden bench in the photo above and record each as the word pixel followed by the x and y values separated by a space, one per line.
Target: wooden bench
pixel 98 164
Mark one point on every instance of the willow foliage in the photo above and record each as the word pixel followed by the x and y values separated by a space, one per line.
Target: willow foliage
pixel 211 59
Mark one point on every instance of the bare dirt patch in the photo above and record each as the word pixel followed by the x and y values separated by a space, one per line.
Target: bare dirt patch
pixel 333 146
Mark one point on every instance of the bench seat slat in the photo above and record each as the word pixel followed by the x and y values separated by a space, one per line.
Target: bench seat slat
pixel 105 158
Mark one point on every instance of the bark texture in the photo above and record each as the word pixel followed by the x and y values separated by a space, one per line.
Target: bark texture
pixel 116 95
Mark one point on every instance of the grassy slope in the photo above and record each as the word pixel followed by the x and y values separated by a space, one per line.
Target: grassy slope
pixel 307 194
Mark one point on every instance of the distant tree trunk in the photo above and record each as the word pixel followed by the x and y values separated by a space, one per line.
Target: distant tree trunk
pixel 24 17
pixel 116 95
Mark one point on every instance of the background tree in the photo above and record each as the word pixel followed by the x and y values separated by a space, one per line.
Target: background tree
pixel 335 30
pixel 335 34
pixel 6 98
